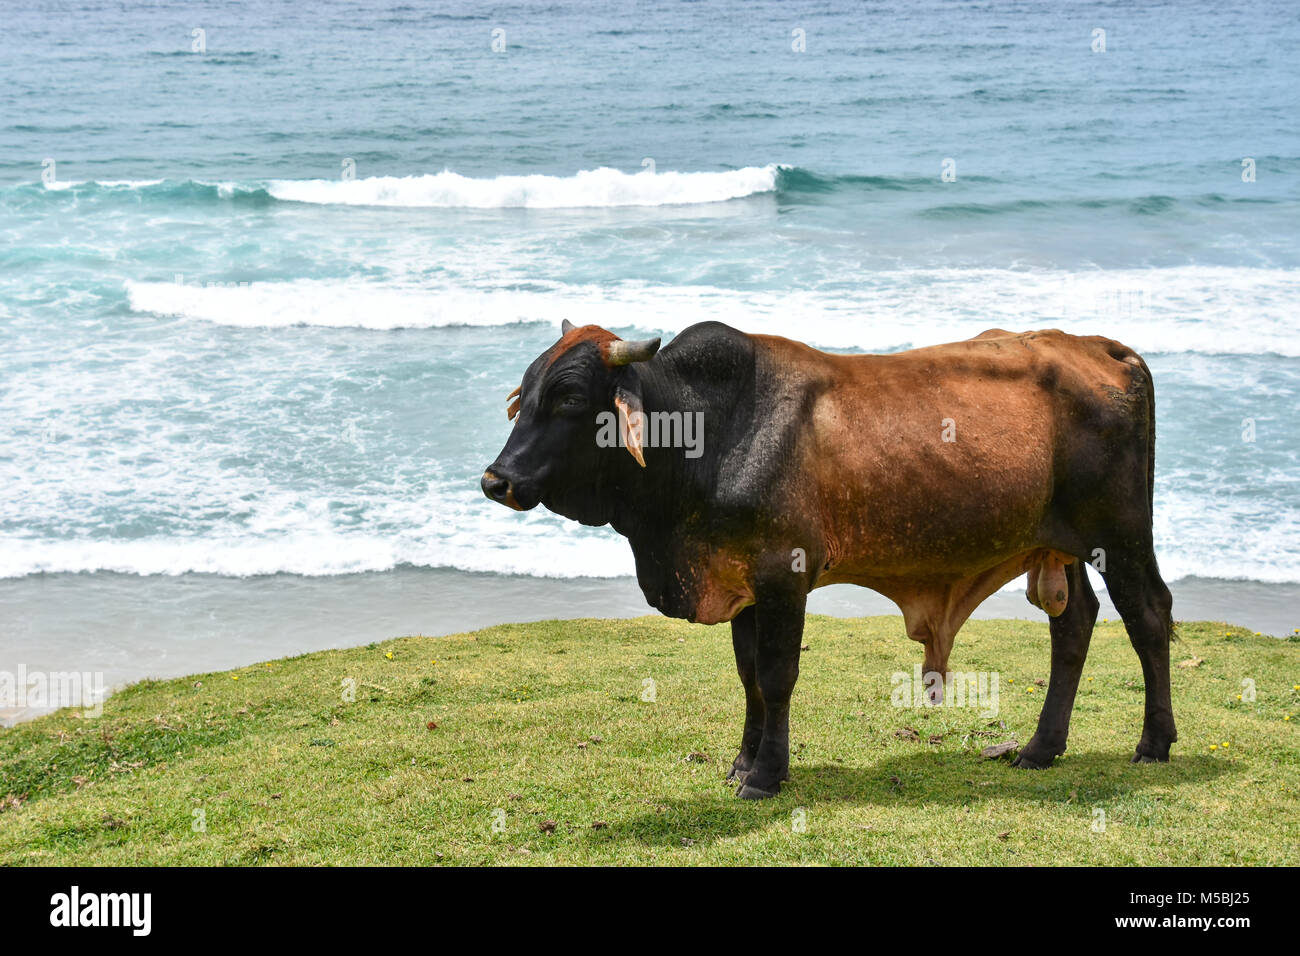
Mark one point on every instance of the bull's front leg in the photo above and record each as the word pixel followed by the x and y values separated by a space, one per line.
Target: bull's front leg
pixel 743 641
pixel 778 633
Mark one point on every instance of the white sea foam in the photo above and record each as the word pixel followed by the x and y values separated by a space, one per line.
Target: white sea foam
pixel 542 545
pixel 1218 310
pixel 324 303
pixel 534 549
pixel 61 184
pixel 603 187
pixel 587 189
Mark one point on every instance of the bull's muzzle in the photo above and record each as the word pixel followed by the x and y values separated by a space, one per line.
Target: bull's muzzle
pixel 500 489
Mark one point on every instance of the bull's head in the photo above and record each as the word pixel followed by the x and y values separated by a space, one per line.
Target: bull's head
pixel 553 455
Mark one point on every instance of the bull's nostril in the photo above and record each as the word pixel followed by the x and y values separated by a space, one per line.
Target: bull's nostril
pixel 495 488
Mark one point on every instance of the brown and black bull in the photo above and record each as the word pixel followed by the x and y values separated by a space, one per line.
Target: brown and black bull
pixel 933 476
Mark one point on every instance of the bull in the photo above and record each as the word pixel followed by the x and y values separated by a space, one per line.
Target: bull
pixel 933 476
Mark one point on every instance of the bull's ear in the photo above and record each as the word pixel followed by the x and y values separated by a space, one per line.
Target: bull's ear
pixel 631 422
pixel 566 326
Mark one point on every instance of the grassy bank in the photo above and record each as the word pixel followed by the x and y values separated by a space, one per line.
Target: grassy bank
pixel 526 744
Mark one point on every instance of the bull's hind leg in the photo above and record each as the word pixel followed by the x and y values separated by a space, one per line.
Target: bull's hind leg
pixel 1144 603
pixel 1071 632
pixel 743 640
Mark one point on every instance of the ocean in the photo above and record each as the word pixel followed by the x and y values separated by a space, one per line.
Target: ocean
pixel 268 272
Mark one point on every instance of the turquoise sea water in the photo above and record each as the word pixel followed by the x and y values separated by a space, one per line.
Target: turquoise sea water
pixel 263 310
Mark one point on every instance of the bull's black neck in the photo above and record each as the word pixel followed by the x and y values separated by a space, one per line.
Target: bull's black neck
pixel 709 369
pixel 649 499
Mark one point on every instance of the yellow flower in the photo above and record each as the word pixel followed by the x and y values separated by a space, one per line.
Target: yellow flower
pixel 1225 745
pixel 234 677
pixel 1214 746
pixel 1286 716
pixel 1029 690
pixel 389 655
pixel 1238 697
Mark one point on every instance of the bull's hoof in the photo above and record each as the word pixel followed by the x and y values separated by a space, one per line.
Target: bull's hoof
pixel 1039 753
pixel 1028 763
pixel 747 792
pixel 1032 760
pixel 739 772
pixel 1144 757
pixel 1149 755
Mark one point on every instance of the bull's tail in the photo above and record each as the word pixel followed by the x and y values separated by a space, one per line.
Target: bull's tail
pixel 1148 387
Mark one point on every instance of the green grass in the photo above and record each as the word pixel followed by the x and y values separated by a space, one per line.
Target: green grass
pixel 541 727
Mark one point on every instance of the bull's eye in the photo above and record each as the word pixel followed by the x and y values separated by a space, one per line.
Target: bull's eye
pixel 570 404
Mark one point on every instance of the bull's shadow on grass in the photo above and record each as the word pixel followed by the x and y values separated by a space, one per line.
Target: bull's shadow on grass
pixel 914 781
